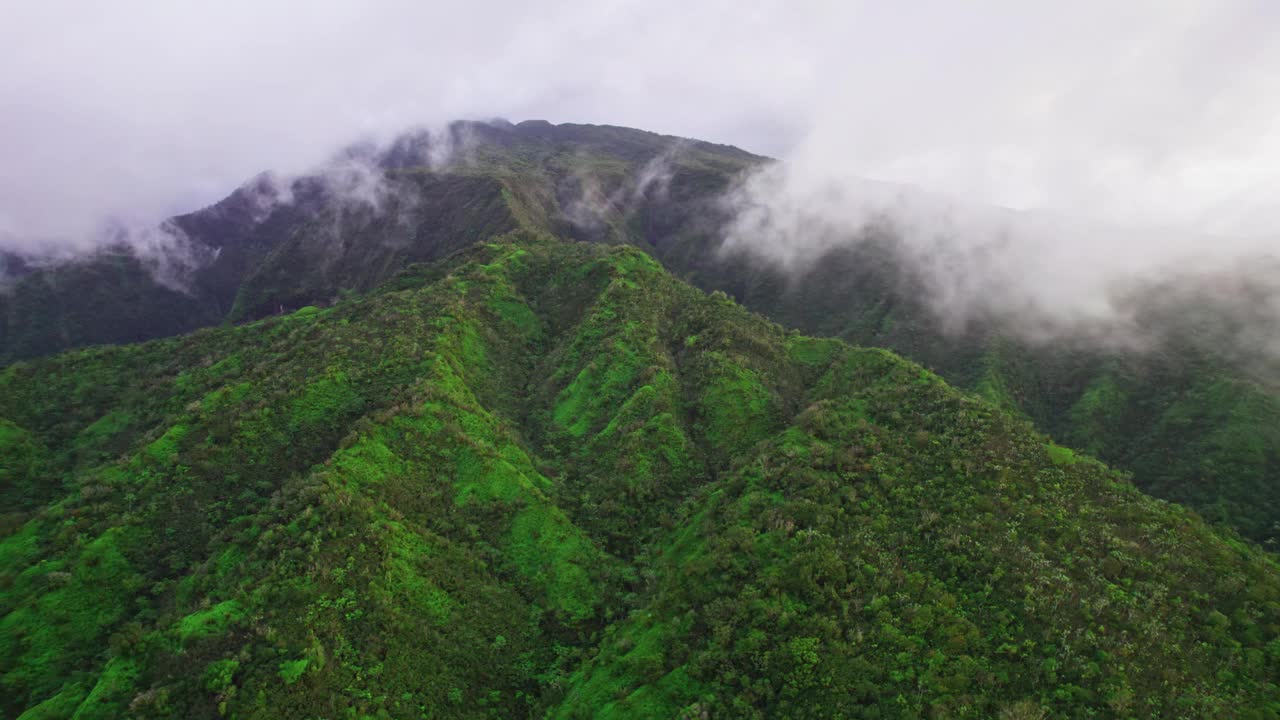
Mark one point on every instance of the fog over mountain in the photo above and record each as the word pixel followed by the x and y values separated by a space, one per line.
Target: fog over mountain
pixel 1143 139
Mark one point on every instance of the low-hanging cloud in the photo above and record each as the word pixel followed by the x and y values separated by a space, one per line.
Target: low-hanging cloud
pixel 1039 275
pixel 589 205
pixel 1154 111
pixel 150 109
pixel 1043 142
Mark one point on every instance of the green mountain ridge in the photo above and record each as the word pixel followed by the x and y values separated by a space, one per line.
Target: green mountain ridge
pixel 540 478
pixel 1188 420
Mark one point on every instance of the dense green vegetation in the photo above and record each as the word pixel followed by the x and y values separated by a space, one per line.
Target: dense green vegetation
pixel 549 479
pixel 1190 424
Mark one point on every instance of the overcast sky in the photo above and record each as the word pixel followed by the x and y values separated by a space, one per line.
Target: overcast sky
pixel 1163 112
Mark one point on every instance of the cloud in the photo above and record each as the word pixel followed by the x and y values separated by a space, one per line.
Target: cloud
pixel 148 109
pixel 589 205
pixel 1042 275
pixel 1091 118
pixel 1152 111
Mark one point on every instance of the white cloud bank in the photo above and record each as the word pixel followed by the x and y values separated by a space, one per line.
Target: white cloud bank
pixel 1146 112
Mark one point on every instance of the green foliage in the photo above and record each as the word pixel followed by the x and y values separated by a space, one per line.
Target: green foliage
pixel 548 479
pixel 212 622
pixel 60 706
pixel 165 448
pixel 61 609
pixel 111 694
pixel 812 351
pixel 291 670
pixel 1061 455
pixel 220 674
pixel 904 551
pixel 24 467
pixel 735 405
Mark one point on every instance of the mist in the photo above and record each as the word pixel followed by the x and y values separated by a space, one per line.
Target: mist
pixel 1041 276
pixel 1039 165
pixel 144 110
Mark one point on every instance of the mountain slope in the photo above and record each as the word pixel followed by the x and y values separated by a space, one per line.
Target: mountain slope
pixel 357 221
pixel 1191 419
pixel 1191 422
pixel 549 478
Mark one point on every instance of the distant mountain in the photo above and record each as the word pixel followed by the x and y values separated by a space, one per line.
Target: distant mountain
pixel 1190 421
pixel 539 478
pixel 360 219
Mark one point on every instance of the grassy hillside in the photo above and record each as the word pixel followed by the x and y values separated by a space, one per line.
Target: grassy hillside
pixel 549 479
